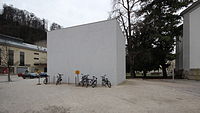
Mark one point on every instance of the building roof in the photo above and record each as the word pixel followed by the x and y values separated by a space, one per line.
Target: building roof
pixel 17 42
pixel 6 37
pixel 102 21
pixel 192 7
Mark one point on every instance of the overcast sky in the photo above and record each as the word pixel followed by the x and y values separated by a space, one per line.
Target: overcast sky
pixel 65 12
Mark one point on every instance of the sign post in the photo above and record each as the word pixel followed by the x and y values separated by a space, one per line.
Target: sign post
pixel 77 72
pixel 38 80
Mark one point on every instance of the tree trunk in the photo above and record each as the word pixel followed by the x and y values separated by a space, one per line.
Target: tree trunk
pixel 144 74
pixel 129 42
pixel 134 75
pixel 164 71
pixel 131 61
pixel 132 71
pixel 9 79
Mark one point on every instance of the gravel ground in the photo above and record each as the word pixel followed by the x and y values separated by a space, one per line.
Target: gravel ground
pixel 133 96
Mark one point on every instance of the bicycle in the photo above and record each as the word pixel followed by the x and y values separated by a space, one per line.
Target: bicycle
pixel 59 78
pixel 105 81
pixel 84 80
pixel 93 81
pixel 45 81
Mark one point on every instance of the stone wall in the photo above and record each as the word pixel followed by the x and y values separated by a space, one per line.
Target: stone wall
pixel 194 74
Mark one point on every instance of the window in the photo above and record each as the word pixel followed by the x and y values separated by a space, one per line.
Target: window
pixel 36 53
pixel 0 56
pixel 11 57
pixel 21 59
pixel 36 58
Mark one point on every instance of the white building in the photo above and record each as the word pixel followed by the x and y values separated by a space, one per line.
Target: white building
pixel 95 49
pixel 188 50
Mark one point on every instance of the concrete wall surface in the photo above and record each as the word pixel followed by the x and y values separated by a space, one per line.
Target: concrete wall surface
pixel 195 39
pixel 186 52
pixel 179 54
pixel 191 43
pixel 95 49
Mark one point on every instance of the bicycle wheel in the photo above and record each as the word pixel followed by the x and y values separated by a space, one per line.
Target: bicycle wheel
pixel 60 81
pixel 109 84
pixel 82 83
pixel 102 83
pixel 87 84
pixel 57 82
pixel 45 81
pixel 94 84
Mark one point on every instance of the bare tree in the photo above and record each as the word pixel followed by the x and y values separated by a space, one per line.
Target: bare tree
pixel 5 58
pixel 125 12
pixel 55 26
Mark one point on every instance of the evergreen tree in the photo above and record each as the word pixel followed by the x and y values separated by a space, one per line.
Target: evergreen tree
pixel 163 19
pixel 144 60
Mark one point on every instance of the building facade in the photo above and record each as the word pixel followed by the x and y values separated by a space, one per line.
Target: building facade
pixel 188 55
pixel 95 49
pixel 21 56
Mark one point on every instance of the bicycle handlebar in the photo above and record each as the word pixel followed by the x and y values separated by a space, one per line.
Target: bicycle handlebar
pixel 104 75
pixel 60 74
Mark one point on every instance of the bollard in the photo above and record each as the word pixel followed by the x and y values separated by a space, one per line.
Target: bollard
pixel 39 80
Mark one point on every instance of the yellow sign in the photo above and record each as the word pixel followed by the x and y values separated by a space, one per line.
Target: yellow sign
pixel 77 72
